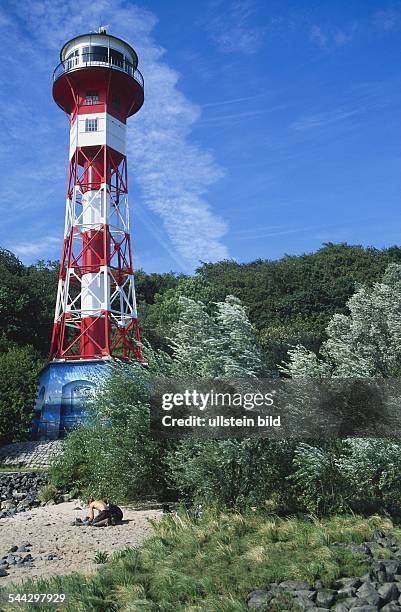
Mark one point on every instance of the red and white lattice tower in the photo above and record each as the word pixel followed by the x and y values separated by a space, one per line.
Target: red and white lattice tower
pixel 99 86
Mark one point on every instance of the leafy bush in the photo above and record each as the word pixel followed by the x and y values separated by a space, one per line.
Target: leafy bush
pixel 318 482
pixel 373 470
pixel 113 455
pixel 48 493
pixel 19 368
pixel 232 473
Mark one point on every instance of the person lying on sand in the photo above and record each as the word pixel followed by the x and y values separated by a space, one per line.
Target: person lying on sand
pixel 109 514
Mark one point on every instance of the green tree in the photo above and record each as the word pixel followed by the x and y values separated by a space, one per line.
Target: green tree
pixel 19 368
pixel 365 343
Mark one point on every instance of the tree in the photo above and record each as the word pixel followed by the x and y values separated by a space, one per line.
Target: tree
pixel 365 343
pixel 19 368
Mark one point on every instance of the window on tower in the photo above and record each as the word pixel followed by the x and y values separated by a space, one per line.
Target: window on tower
pixel 90 125
pixel 92 97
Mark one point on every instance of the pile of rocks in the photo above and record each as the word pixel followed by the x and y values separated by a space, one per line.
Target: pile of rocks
pixel 18 492
pixel 378 589
pixel 18 556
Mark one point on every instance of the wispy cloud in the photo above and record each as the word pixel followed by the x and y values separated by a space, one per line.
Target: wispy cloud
pixel 39 248
pixel 230 26
pixel 173 173
pixel 323 119
pixel 387 20
pixel 329 37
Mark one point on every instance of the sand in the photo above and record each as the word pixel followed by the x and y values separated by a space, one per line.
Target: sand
pixel 49 531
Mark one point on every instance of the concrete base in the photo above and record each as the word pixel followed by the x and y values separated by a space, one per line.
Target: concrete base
pixel 64 390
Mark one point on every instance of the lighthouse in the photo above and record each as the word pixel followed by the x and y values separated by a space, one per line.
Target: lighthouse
pixel 98 85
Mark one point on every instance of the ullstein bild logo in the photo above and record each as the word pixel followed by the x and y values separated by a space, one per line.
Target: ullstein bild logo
pixel 221 421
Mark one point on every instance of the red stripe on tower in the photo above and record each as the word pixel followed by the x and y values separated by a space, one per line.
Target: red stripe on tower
pixel 99 86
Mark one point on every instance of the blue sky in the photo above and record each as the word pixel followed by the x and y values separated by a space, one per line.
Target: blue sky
pixel 269 127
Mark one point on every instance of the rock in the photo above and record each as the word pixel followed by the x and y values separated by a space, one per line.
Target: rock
pixel 3 572
pixel 343 583
pixel 13 549
pixel 388 592
pixel 294 585
pixel 381 576
pixel 391 607
pixel 367 608
pixel 304 594
pixel 21 548
pixel 369 593
pixel 8 504
pixel 347 592
pixel 340 607
pixel 10 560
pixel 258 599
pixel 325 598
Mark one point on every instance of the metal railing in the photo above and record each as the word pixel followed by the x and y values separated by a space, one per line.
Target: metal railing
pixel 87 60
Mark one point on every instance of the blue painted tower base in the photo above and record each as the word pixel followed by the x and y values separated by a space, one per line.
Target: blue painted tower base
pixel 64 390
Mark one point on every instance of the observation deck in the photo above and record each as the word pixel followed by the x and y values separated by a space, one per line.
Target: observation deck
pixel 110 65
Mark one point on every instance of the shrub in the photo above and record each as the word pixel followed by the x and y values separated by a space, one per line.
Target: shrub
pixel 113 455
pixel 373 469
pixel 19 368
pixel 318 482
pixel 233 473
pixel 47 493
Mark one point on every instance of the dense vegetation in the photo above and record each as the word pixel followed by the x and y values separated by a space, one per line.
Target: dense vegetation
pixel 319 476
pixel 213 563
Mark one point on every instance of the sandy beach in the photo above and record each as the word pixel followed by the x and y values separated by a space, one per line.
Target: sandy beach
pixel 49 531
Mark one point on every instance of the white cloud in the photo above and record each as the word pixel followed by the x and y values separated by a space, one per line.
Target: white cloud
pixel 41 247
pixel 387 20
pixel 321 120
pixel 229 26
pixel 173 173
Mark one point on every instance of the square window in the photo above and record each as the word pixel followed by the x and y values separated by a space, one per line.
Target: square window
pixel 90 125
pixel 92 97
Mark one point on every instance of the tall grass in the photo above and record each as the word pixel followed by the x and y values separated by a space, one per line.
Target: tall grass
pixel 212 564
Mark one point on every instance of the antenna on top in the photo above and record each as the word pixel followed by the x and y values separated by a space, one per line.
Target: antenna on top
pixel 102 29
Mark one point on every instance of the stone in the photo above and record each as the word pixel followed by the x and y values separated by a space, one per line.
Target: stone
pixel 340 607
pixel 21 548
pixel 367 608
pixel 347 592
pixel 381 576
pixel 304 594
pixel 343 583
pixel 294 585
pixel 369 593
pixel 13 549
pixel 392 606
pixel 388 592
pixel 3 572
pixel 258 599
pixel 325 598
